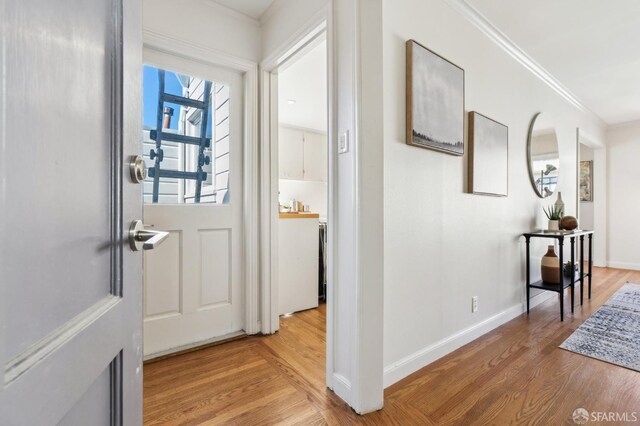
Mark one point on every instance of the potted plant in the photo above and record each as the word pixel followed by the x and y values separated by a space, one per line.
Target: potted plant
pixel 554 214
pixel 570 268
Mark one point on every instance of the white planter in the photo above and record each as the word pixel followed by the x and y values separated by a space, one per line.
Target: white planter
pixel 554 225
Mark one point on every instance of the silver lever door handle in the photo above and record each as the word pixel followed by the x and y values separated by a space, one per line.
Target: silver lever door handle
pixel 144 238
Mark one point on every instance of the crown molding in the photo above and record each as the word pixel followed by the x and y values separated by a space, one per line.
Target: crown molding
pixel 628 123
pixel 505 43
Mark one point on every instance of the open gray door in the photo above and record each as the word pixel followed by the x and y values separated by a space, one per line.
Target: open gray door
pixel 70 301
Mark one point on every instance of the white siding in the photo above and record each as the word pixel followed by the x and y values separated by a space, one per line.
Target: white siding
pixel 176 155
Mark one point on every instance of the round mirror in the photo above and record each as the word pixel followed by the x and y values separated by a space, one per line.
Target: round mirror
pixel 542 155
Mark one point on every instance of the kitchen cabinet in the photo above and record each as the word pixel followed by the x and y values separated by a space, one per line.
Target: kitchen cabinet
pixel 302 155
pixel 290 153
pixel 298 253
pixel 315 157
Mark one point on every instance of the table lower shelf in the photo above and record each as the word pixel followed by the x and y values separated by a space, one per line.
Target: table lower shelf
pixel 566 282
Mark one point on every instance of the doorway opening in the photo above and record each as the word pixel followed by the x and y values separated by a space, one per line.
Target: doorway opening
pixel 302 180
pixel 193 149
pixel 589 208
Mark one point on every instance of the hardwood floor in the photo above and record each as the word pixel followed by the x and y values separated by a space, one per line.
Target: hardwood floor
pixel 514 374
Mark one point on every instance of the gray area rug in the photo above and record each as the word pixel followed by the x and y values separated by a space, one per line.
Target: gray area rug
pixel 612 333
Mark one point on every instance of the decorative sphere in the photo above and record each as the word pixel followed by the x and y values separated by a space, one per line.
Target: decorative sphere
pixel 568 223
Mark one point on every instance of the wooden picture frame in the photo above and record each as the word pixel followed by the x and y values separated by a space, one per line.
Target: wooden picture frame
pixel 488 172
pixel 434 101
pixel 586 181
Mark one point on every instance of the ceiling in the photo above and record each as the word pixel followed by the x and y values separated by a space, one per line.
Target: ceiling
pixel 590 46
pixel 251 8
pixel 305 82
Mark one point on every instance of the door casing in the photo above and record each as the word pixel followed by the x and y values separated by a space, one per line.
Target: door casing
pixel 311 32
pixel 250 221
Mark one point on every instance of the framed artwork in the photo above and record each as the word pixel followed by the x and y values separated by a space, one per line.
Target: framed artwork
pixel 488 156
pixel 435 101
pixel 586 181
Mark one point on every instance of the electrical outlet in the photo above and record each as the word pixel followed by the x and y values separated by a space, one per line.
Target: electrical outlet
pixel 474 304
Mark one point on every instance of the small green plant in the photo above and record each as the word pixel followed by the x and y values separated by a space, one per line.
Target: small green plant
pixel 553 212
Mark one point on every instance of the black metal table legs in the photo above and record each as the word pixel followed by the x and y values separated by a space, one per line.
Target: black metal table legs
pixel 527 239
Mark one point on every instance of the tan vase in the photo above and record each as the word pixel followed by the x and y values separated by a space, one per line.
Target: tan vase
pixel 550 267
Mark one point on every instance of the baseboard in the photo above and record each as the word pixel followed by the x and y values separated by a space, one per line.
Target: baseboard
pixel 157 356
pixel 425 356
pixel 624 265
pixel 341 387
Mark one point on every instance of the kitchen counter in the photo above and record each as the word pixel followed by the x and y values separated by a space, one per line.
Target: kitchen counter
pixel 299 215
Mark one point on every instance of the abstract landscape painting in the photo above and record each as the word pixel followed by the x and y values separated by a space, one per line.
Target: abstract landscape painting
pixel 435 101
pixel 586 181
pixel 488 156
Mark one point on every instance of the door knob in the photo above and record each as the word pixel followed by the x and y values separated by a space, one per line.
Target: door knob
pixel 137 169
pixel 144 238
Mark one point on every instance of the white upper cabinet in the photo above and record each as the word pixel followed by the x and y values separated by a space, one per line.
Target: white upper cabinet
pixel 315 157
pixel 302 154
pixel 290 153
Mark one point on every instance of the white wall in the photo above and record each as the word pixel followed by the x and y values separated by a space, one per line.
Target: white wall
pixel 206 24
pixel 441 245
pixel 287 20
pixel 312 193
pixel 586 207
pixel 623 189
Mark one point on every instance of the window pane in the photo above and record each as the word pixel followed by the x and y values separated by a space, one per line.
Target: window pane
pixel 181 161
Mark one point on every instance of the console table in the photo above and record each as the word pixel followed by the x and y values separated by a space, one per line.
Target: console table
pixel 566 282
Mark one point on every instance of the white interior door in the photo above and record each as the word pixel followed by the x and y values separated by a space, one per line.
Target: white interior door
pixel 193 284
pixel 70 288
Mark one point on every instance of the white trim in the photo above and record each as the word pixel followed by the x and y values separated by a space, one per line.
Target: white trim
pixel 633 122
pixel 623 265
pixel 269 202
pixel 503 41
pixel 250 224
pixel 305 34
pixel 341 386
pixel 308 43
pixel 425 356
pixel 332 207
pixel 194 51
pixel 251 215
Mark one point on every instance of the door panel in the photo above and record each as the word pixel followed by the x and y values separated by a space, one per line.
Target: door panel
pixel 163 269
pixel 94 404
pixel 52 270
pixel 70 343
pixel 215 263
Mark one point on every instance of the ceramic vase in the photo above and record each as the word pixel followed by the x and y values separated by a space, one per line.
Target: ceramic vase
pixel 550 266
pixel 560 204
pixel 554 225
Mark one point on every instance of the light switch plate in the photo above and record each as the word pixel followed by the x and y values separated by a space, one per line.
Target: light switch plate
pixel 343 142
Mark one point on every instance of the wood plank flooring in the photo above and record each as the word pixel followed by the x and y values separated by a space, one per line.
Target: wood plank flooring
pixel 514 374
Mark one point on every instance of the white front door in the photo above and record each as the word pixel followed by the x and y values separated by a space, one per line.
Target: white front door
pixel 193 284
pixel 70 286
